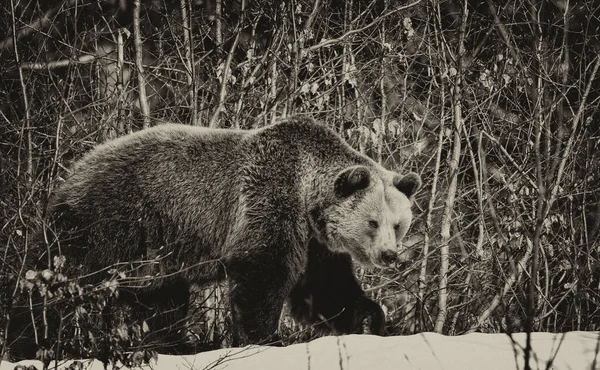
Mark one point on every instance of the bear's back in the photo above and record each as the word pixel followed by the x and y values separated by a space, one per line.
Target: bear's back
pixel 168 185
pixel 170 155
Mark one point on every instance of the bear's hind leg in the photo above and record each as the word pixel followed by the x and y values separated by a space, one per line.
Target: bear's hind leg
pixel 165 312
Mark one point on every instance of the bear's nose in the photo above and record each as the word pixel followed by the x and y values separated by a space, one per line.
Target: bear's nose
pixel 388 257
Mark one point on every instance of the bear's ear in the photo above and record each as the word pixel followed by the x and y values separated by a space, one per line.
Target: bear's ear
pixel 351 180
pixel 408 184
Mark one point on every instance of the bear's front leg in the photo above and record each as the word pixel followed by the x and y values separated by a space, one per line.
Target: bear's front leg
pixel 330 297
pixel 257 297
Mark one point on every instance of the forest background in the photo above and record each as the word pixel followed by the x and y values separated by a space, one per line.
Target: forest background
pixel 494 103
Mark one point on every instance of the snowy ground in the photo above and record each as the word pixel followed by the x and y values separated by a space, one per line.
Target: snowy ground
pixel 573 350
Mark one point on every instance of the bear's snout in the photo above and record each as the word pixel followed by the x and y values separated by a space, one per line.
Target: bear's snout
pixel 388 257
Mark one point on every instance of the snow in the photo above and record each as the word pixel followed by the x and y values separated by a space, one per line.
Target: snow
pixel 573 350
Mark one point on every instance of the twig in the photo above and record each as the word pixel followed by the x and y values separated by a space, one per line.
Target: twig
pixel 120 88
pixel 225 75
pixel 511 159
pixel 272 90
pixel 431 205
pixel 453 167
pixel 61 63
pixel 505 36
pixel 34 326
pixel 382 90
pixel 565 67
pixel 433 195
pixel 139 62
pixel 37 25
pixel 337 40
pixel 188 61
pixel 349 64
pixel 26 128
pixel 541 186
pixel 478 178
pixel 218 30
pixel 311 17
pixel 569 146
pixel 514 276
pixel 297 45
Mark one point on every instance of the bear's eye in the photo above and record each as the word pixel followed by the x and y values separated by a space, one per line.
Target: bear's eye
pixel 396 227
pixel 373 224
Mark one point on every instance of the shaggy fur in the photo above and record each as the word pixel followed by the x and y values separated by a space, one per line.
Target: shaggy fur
pixel 211 204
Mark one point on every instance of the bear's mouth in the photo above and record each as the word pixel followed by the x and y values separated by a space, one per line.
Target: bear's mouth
pixel 359 254
pixel 354 248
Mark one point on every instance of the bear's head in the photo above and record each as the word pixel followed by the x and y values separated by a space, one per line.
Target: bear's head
pixel 371 214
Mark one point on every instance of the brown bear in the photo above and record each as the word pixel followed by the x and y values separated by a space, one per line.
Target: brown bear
pixel 242 205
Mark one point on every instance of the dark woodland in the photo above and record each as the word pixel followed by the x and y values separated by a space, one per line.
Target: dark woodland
pixel 493 103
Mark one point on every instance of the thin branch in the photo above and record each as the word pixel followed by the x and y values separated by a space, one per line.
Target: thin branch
pixel 478 178
pixel 504 33
pixel 26 128
pixel 139 62
pixel 337 40
pixel 214 121
pixel 431 205
pixel 218 30
pixel 61 63
pixel 312 16
pixel 565 68
pixel 519 168
pixel 541 185
pixel 188 61
pixel 119 77
pixel 37 25
pixel 383 97
pixel 508 284
pixel 569 146
pixel 453 167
